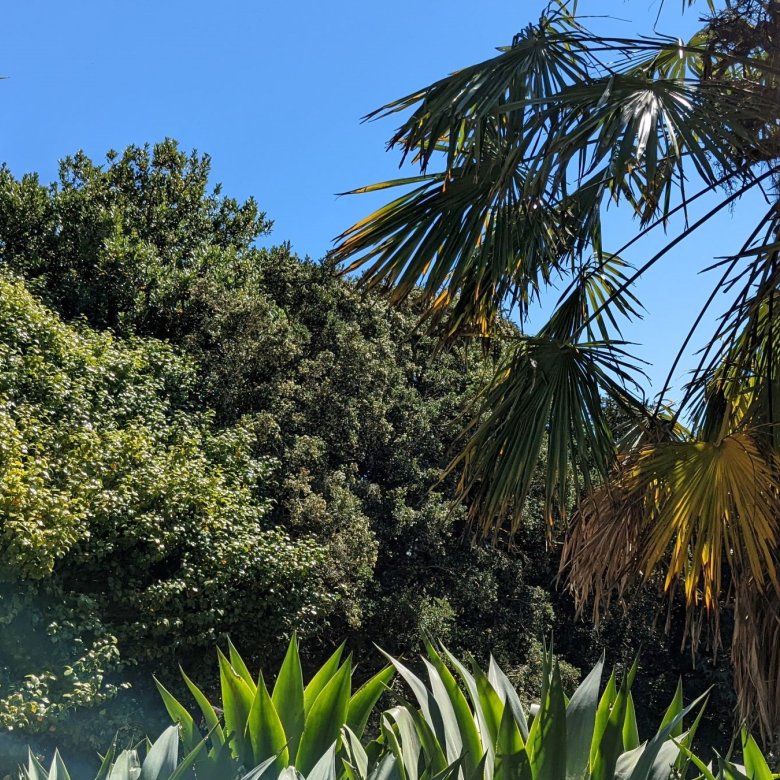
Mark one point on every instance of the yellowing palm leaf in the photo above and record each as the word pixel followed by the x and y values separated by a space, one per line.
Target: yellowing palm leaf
pixel 686 507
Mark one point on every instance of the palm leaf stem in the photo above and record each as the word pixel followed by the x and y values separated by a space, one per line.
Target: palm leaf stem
pixel 715 290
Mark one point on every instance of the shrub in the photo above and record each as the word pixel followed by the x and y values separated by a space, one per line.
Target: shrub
pixel 132 532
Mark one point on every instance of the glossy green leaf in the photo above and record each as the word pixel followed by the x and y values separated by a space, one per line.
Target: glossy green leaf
pixel 209 714
pixel 630 727
pixel 325 719
pixel 756 767
pixel 365 698
pixel 160 762
pixel 288 697
pixel 470 741
pixel 546 744
pixel 178 714
pixel 264 729
pixel 321 679
pixel 508 695
pixel 237 698
pixel 237 662
pixel 580 723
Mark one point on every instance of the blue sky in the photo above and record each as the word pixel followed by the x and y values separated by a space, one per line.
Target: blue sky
pixel 274 92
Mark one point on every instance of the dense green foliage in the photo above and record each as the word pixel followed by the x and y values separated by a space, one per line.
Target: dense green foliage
pixel 238 390
pixel 133 532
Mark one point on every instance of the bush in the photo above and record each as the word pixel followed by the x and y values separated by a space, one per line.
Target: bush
pixel 133 532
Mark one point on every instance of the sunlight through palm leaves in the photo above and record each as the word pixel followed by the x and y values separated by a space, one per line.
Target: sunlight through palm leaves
pixel 532 146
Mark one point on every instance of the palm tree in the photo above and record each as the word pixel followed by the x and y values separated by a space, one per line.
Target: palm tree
pixel 518 158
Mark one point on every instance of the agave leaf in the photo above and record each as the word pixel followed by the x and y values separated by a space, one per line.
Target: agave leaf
pixel 471 743
pixel 321 679
pixel 647 762
pixel 237 698
pixel 756 767
pixel 237 662
pixel 675 708
pixel 664 765
pixel 160 762
pixel 492 706
pixel 432 747
pixel 58 770
pixel 580 723
pixel 209 714
pixel 514 767
pixel 386 769
pixel 626 762
pixel 610 735
pixel 105 762
pixel 686 739
pixel 401 731
pixel 729 771
pixel 178 714
pixel 288 697
pixel 425 699
pixel 34 770
pixel 698 763
pixel 452 771
pixel 365 698
pixel 325 768
pixel 356 763
pixel 487 749
pixel 218 763
pixel 630 728
pixel 325 719
pixel 453 742
pixel 393 746
pixel 509 741
pixel 508 695
pixel 188 762
pixel 126 766
pixel 264 729
pixel 546 744
pixel 266 768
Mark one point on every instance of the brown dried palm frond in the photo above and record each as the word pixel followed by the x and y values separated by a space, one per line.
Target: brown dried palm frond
pixel 683 509
pixel 600 553
pixel 755 654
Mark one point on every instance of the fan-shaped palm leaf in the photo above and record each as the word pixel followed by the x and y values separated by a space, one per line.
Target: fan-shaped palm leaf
pixel 549 393
pixel 687 507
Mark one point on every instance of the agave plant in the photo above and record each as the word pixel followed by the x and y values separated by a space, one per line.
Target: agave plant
pixel 158 761
pixel 293 725
pixel 479 727
pixel 465 724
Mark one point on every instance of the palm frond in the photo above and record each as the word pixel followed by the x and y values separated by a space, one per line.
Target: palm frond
pixel 533 143
pixel 548 394
pixel 712 501
pixel 755 654
pixel 592 303
pixel 686 508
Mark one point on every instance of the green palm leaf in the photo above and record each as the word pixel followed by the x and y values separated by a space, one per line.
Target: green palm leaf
pixel 550 393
